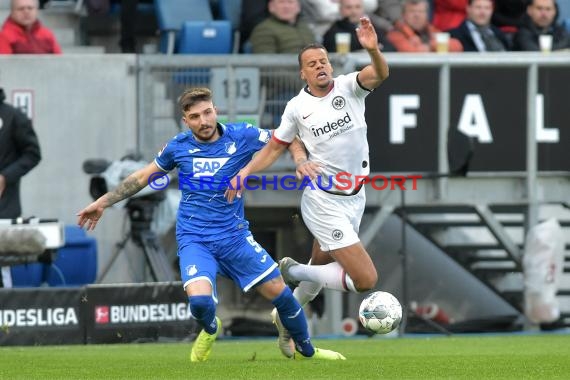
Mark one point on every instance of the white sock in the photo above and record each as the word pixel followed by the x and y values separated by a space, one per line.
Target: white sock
pixel 307 291
pixel 330 276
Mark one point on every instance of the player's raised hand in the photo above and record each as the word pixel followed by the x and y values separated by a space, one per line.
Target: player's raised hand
pixel 90 215
pixel 367 34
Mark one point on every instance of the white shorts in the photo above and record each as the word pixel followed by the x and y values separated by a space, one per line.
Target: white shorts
pixel 333 220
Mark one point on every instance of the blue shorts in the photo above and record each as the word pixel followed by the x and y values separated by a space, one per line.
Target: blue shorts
pixel 240 258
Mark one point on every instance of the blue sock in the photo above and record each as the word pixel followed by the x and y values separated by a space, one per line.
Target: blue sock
pixel 203 309
pixel 293 318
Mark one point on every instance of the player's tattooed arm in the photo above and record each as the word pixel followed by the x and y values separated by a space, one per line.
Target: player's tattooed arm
pixel 129 187
pixel 91 214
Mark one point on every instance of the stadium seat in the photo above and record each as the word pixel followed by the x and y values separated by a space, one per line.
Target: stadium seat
pixel 171 14
pixel 76 262
pixel 206 37
pixel 27 275
pixel 230 10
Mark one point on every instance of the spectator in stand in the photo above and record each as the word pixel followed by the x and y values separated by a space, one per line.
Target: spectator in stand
pixel 282 31
pixel 320 11
pixel 448 14
pixel 23 33
pixel 413 33
pixel 129 20
pixel 370 6
pixel 351 11
pixel 319 14
pixel 386 14
pixel 476 33
pixel 253 12
pixel 540 20
pixel 508 15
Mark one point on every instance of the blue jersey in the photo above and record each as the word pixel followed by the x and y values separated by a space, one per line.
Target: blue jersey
pixel 205 170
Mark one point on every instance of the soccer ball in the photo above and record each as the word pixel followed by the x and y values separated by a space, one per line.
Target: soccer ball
pixel 380 312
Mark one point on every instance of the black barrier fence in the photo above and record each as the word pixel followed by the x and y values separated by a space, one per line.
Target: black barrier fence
pixel 41 316
pixel 486 105
pixel 95 314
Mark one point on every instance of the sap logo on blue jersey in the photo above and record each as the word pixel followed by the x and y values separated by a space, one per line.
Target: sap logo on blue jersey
pixel 207 166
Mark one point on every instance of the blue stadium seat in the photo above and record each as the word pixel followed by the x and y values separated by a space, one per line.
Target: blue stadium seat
pixel 27 275
pixel 171 14
pixel 76 262
pixel 230 10
pixel 206 37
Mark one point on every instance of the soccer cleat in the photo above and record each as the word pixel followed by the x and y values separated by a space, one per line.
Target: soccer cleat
pixel 203 344
pixel 284 341
pixel 321 354
pixel 285 265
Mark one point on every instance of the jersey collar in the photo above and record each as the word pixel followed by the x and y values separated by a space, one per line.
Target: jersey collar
pixel 306 89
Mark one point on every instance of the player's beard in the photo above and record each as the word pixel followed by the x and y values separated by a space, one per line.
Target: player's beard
pixel 207 133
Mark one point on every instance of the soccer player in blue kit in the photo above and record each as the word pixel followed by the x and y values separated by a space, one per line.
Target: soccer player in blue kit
pixel 213 235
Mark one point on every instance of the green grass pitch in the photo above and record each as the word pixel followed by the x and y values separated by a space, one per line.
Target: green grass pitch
pixel 518 356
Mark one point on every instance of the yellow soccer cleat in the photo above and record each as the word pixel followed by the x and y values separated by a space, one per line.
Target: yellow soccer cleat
pixel 284 341
pixel 321 354
pixel 203 344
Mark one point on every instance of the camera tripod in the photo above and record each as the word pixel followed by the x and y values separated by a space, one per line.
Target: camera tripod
pixel 140 211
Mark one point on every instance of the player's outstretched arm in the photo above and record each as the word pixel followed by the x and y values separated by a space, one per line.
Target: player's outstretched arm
pixel 263 159
pixel 374 74
pixel 131 185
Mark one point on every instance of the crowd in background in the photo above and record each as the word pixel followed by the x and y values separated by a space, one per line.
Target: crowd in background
pixel 285 26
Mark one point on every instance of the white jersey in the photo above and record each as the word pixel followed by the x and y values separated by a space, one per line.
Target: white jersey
pixel 332 128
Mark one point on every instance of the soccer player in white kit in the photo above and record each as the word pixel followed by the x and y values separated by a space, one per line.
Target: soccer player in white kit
pixel 328 116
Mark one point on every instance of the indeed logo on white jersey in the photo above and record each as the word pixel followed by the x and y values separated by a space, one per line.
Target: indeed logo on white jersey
pixel 330 127
pixel 207 166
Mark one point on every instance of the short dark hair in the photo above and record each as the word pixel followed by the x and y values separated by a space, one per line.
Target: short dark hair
pixel 309 47
pixel 194 95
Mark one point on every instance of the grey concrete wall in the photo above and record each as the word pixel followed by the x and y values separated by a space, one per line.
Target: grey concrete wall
pixel 83 107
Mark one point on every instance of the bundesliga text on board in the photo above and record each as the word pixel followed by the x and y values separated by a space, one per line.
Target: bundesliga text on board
pixel 147 313
pixel 57 316
pixel 342 181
